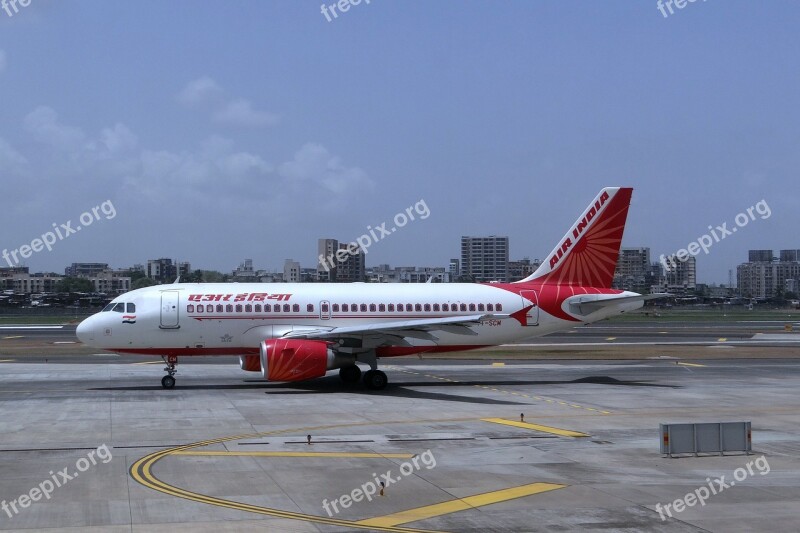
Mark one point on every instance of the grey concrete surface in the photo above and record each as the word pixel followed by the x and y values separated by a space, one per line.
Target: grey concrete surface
pixel 52 416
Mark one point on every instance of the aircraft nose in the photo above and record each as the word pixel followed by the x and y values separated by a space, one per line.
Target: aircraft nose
pixel 85 331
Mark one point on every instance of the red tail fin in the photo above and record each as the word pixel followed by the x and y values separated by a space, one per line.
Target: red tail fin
pixel 587 255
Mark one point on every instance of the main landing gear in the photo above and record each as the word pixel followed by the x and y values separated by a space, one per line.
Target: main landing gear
pixel 374 379
pixel 350 374
pixel 168 381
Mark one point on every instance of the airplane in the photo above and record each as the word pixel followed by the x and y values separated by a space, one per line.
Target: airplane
pixel 300 331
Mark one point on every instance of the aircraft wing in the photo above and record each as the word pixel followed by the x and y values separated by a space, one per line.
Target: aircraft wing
pixel 417 329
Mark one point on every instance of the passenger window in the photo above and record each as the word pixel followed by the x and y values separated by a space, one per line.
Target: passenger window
pixel 445 307
pixel 435 307
pixel 131 308
pixel 471 307
pixel 219 308
pixel 257 308
pixel 382 307
pixel 310 308
pixel 286 308
pixel 190 308
pixel 409 307
pixel 353 308
pixel 267 308
pixel 324 308
pixel 463 307
pixel 499 307
pixel 335 308
pixel 277 308
pixel 248 308
pixel 391 307
pixel 209 308
pixel 480 307
pixel 229 308
pixel 199 308
pixel 239 308
pixel 296 308
pixel 427 307
pixel 345 308
pixel 372 308
pixel 363 308
pixel 490 307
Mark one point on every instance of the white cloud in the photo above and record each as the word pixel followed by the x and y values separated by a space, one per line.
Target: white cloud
pixel 200 91
pixel 2 60
pixel 240 112
pixel 10 159
pixel 314 163
pixel 42 123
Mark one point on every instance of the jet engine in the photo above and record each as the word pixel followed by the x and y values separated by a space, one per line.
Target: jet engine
pixel 296 360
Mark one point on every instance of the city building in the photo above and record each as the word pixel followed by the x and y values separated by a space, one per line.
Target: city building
pixel 759 256
pixel 326 260
pixel 635 272
pixel 340 262
pixel 85 270
pixel 485 259
pixel 111 281
pixel 762 279
pixel 681 276
pixel 523 268
pixel 163 270
pixel 386 274
pixel 291 271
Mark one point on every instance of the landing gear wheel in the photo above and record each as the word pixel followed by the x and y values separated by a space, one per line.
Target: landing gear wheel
pixel 168 381
pixel 375 380
pixel 350 374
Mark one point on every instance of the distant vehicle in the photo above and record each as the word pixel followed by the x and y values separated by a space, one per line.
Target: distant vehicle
pixel 298 331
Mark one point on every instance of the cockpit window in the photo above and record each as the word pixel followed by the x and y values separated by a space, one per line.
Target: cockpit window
pixel 119 308
pixel 131 308
pixel 109 307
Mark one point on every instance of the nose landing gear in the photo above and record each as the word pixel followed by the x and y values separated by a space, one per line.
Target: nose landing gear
pixel 168 381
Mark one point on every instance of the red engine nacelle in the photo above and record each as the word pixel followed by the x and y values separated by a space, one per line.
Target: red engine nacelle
pixel 250 363
pixel 295 360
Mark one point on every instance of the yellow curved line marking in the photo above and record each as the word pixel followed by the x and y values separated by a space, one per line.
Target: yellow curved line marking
pixel 141 471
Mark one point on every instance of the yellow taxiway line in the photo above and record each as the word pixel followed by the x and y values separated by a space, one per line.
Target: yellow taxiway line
pixel 536 427
pixel 298 454
pixel 689 364
pixel 460 504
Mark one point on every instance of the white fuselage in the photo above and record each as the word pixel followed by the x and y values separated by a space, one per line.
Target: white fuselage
pixel 233 318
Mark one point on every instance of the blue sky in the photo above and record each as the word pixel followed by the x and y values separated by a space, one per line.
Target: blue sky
pixel 248 129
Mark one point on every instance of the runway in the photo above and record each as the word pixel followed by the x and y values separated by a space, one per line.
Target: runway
pixel 225 451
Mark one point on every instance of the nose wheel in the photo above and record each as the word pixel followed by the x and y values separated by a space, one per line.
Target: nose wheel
pixel 168 381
